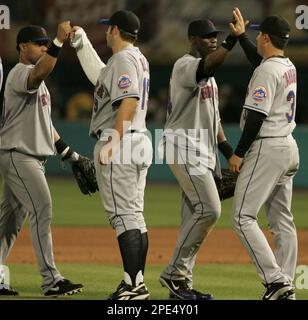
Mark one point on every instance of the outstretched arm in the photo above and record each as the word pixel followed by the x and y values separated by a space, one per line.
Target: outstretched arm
pixel 238 30
pixel 88 58
pixel 213 60
pixel 48 61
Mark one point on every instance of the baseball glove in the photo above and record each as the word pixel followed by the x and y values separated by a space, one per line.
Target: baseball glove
pixel 84 173
pixel 226 185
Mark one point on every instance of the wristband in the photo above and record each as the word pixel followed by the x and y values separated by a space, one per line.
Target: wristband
pixel 57 42
pixel 61 146
pixel 54 49
pixel 226 149
pixel 229 42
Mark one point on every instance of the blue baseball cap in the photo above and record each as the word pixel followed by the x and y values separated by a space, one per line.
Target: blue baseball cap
pixel 32 33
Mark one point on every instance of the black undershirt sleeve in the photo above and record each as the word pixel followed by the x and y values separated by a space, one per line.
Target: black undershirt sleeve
pixel 250 50
pixel 201 74
pixel 252 127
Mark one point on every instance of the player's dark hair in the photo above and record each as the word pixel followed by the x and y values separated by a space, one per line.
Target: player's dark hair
pixel 128 36
pixel 278 42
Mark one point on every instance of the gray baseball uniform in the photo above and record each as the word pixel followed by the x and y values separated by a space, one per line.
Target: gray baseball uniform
pixel 26 138
pixel 122 184
pixel 267 172
pixel 191 139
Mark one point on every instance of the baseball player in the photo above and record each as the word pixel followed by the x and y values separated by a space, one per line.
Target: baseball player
pixel 193 127
pixel 118 124
pixel 27 137
pixel 267 157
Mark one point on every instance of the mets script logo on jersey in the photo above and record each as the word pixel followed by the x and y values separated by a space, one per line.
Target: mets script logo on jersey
pixel 44 100
pixel 124 81
pixel 208 92
pixel 259 93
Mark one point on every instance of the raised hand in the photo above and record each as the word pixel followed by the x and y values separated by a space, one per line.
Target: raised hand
pixel 64 30
pixel 238 25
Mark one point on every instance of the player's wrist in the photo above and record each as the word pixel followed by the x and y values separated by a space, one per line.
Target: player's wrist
pixel 229 42
pixel 243 35
pixel 57 42
pixel 65 151
pixel 54 48
pixel 226 149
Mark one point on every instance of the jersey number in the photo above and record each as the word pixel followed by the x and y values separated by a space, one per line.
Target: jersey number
pixel 291 98
pixel 145 92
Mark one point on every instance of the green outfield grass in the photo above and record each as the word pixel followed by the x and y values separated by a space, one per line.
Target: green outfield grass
pixel 162 206
pixel 162 209
pixel 99 281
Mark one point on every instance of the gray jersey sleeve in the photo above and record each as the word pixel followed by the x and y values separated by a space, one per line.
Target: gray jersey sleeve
pixel 261 91
pixel 124 82
pixel 185 70
pixel 20 79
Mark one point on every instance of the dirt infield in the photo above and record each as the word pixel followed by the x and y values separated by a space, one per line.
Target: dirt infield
pixel 99 245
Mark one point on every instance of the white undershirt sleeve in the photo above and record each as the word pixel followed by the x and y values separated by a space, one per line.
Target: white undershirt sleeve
pixel 88 57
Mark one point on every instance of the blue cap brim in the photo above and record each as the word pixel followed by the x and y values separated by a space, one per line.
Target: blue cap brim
pixel 105 22
pixel 254 26
pixel 42 39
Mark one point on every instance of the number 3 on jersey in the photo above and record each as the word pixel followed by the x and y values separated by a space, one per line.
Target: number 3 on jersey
pixel 291 98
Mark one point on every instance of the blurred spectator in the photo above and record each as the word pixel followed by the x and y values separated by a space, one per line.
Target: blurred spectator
pixel 231 103
pixel 157 106
pixel 79 107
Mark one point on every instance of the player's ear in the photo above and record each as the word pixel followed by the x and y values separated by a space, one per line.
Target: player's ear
pixel 192 39
pixel 266 37
pixel 22 47
pixel 116 30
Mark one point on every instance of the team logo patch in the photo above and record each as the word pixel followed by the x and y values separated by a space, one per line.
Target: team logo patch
pixel 259 93
pixel 124 81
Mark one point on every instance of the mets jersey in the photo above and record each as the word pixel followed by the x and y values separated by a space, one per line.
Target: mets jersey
pixel 125 75
pixel 193 109
pixel 272 91
pixel 26 124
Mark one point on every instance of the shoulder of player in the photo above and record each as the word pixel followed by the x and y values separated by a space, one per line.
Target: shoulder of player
pixel 187 58
pixel 276 63
pixel 21 67
pixel 270 68
pixel 184 61
pixel 126 58
pixel 129 55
